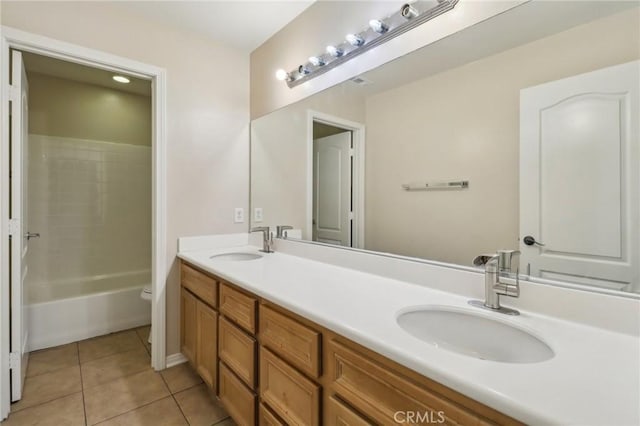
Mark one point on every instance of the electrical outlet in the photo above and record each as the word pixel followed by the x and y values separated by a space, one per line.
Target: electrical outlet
pixel 257 214
pixel 238 215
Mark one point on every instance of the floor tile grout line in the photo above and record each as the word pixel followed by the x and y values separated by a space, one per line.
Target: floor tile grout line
pixel 118 353
pixel 104 356
pixel 129 411
pixel 173 396
pixel 51 371
pixel 84 406
pixel 45 402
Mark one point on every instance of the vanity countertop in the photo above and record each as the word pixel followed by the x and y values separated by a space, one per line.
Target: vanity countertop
pixel 593 379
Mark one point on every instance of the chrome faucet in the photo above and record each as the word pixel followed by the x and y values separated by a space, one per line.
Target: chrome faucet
pixel 280 231
pixel 496 284
pixel 267 238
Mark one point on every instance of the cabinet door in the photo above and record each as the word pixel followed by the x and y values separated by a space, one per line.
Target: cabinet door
pixel 206 342
pixel 188 322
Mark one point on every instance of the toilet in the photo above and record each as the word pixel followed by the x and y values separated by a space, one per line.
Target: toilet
pixel 146 295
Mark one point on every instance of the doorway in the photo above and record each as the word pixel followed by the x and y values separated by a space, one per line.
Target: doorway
pixel 335 181
pixel 12 42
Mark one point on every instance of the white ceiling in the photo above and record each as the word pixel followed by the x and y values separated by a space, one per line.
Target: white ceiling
pixel 241 24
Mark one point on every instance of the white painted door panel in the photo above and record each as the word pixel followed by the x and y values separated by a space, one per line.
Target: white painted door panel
pixel 18 213
pixel 332 189
pixel 579 179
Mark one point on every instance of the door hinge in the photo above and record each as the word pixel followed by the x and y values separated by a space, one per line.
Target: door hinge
pixel 350 215
pixel 13 92
pixel 351 152
pixel 14 358
pixel 14 227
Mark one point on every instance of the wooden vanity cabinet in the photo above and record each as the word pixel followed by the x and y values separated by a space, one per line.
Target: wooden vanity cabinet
pixel 237 350
pixel 278 368
pixel 199 323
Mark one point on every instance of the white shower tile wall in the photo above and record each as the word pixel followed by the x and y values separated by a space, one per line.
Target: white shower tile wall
pixel 91 203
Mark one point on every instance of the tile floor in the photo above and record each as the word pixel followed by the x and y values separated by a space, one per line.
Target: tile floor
pixel 108 381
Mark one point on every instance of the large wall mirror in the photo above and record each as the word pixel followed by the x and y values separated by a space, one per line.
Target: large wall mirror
pixel 521 132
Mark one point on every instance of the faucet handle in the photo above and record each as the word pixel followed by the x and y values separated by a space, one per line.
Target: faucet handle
pixel 505 258
pixel 280 230
pixel 483 259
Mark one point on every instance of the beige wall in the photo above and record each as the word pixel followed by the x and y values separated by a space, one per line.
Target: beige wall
pixel 207 113
pixel 464 123
pixel 60 107
pixel 327 22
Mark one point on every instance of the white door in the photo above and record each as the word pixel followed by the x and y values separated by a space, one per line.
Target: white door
pixel 19 233
pixel 332 189
pixel 580 179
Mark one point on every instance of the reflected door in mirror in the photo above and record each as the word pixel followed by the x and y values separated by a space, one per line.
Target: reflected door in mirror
pixel 332 189
pixel 579 178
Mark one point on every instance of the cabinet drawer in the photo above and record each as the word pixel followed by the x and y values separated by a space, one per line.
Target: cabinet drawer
pixel 238 400
pixel 267 418
pixel 378 391
pixel 294 342
pixel 291 395
pixel 203 286
pixel 338 414
pixel 238 351
pixel 239 307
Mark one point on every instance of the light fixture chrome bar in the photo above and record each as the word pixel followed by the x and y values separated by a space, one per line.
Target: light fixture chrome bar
pixel 398 24
pixel 423 186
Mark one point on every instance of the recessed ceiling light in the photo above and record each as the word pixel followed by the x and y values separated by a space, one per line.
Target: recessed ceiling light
pixel 121 79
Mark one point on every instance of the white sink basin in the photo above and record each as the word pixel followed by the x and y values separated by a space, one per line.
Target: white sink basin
pixel 236 256
pixel 477 336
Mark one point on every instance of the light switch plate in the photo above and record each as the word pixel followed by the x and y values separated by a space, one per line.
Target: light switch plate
pixel 257 214
pixel 238 216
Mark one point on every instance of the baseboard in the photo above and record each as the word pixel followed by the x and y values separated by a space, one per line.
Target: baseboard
pixel 175 359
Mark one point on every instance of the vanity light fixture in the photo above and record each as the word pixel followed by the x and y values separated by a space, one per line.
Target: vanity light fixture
pixel 335 51
pixel 121 79
pixel 355 40
pixel 317 61
pixel 303 70
pixel 408 12
pixel 407 17
pixel 378 26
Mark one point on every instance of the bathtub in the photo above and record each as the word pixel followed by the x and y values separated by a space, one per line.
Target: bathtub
pixel 57 315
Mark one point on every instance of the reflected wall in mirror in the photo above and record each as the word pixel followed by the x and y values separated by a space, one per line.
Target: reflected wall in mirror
pixel 543 125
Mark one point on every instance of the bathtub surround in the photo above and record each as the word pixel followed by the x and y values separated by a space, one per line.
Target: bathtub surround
pixel 91 202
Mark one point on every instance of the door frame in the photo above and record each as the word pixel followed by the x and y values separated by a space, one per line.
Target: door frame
pixel 358 182
pixel 11 38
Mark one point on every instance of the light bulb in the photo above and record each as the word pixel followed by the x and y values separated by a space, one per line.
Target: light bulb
pixel 282 75
pixel 336 52
pixel 316 61
pixel 378 26
pixel 355 40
